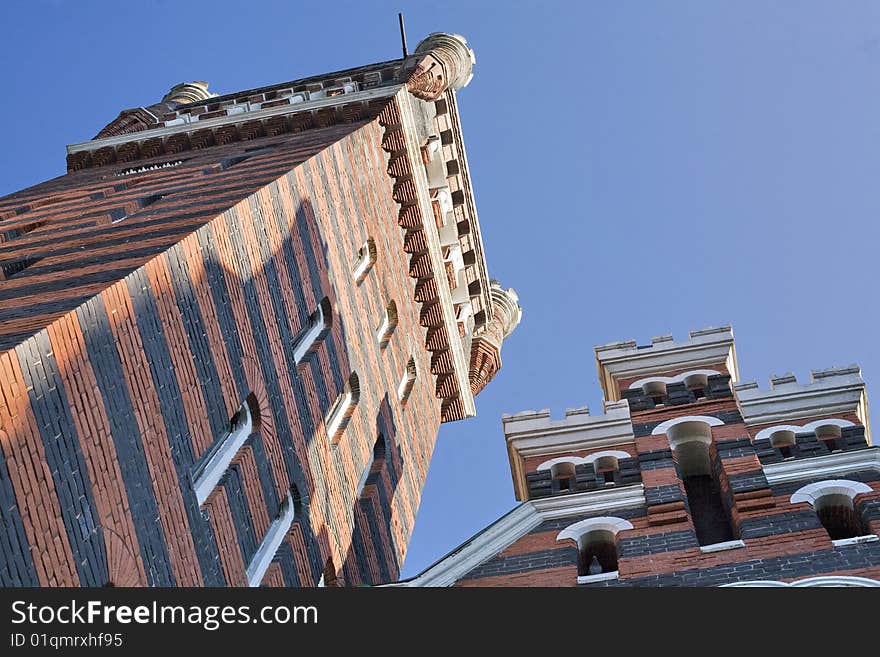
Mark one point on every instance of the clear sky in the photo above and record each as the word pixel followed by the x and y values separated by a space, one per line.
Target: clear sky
pixel 640 168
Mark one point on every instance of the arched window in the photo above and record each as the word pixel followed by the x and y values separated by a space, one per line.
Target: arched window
pixel 375 463
pixel 405 387
pixel 563 474
pixel 697 384
pixel 656 390
pixel 366 258
pixel 690 440
pixel 309 338
pixel 598 554
pixel 596 539
pixel 833 502
pixel 784 441
pixel 388 324
pixel 275 535
pixel 605 466
pixel 343 408
pixel 214 464
pixel 830 434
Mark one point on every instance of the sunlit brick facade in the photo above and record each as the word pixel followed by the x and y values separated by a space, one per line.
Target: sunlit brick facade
pixel 229 334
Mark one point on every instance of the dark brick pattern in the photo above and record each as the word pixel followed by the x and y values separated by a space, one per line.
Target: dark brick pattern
pixel 655 495
pixel 507 565
pixel 788 567
pixel 744 482
pixel 542 484
pixel 718 387
pixel 779 523
pixel 808 445
pixel 636 546
pixel 222 266
pixel 641 429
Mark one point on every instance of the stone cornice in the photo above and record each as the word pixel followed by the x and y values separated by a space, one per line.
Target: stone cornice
pixel 823 466
pixel 473 236
pixel 533 433
pixel 418 176
pixel 243 125
pixel 624 360
pixel 605 500
pixel 516 524
pixel 830 392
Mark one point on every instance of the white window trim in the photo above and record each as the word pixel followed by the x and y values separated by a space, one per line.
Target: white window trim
pixel 407 383
pixel 812 493
pixel 365 262
pixel 306 344
pixel 601 577
pixel 218 462
pixel 341 411
pixel 273 539
pixel 337 413
pixel 811 426
pixel 589 458
pixel 678 378
pixel 365 474
pixel 386 328
pixel 720 547
pixel 855 540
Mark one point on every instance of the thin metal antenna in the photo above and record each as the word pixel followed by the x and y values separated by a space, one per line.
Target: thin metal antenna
pixel 402 35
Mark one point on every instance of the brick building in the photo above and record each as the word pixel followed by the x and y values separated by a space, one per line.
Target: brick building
pixel 688 478
pixel 230 332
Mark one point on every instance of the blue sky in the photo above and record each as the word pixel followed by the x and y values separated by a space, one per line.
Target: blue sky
pixel 640 168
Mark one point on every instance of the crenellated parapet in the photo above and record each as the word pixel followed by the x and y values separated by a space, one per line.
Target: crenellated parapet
pixel 534 440
pixel 834 391
pixel 621 364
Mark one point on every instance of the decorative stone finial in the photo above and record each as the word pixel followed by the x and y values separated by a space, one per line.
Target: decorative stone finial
pixel 188 92
pixel 440 62
pixel 486 346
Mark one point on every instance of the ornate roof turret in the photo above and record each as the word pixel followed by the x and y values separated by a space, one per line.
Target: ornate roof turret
pixel 486 346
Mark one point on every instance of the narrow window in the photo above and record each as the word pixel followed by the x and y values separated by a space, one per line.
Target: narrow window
pixel 388 324
pixel 838 516
pixel 404 388
pixel 374 465
pixel 15 267
pixel 784 441
pixel 366 258
pixel 656 390
pixel 563 475
pixel 598 553
pixel 309 338
pixel 703 493
pixel 273 539
pixel 830 434
pixel 214 464
pixel 606 467
pixel 697 384
pixel 343 408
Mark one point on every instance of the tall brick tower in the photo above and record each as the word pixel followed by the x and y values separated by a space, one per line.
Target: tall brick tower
pixel 688 478
pixel 229 334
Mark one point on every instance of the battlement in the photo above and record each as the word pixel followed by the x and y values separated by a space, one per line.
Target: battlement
pixel 619 363
pixel 534 433
pixel 832 391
